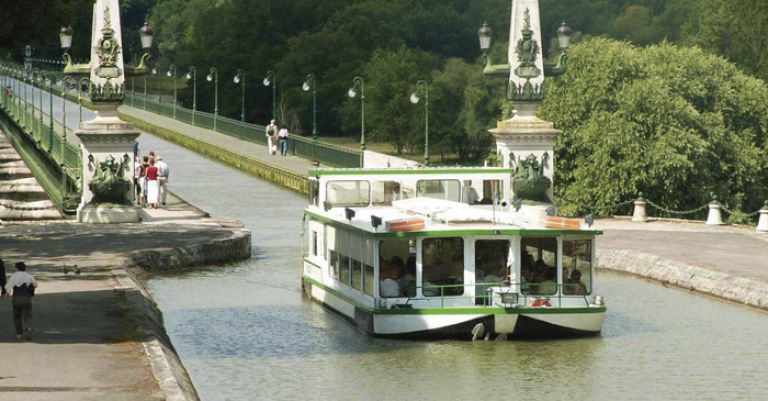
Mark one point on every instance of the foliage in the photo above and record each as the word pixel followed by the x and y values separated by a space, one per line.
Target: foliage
pixel 674 123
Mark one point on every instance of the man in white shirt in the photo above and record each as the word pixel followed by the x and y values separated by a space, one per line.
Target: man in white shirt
pixel 283 137
pixel 162 178
pixel 271 132
pixel 23 286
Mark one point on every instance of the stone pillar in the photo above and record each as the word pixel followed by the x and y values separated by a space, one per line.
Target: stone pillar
pixel 639 214
pixel 762 223
pixel 100 138
pixel 714 217
pixel 525 134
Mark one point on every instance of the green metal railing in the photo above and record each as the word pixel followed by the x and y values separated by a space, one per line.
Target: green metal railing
pixel 522 298
pixel 325 153
pixel 56 162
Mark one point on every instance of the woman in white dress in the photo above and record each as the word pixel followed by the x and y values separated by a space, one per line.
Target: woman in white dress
pixel 153 186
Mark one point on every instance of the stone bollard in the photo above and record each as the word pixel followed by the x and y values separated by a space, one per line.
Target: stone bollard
pixel 714 217
pixel 762 224
pixel 639 214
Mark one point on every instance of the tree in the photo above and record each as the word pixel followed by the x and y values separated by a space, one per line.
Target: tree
pixel 674 123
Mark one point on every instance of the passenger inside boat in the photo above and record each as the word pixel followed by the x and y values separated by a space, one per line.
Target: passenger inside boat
pixel 574 286
pixel 443 266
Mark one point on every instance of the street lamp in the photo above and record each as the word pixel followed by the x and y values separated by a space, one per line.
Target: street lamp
pixel 49 82
pixel 192 74
pixel 270 80
pixel 145 91
pixel 213 76
pixel 157 79
pixel 240 77
pixel 311 82
pixel 172 74
pixel 422 89
pixel 358 82
pixel 80 83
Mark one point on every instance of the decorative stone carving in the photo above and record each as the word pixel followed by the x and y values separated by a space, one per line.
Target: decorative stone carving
pixel 529 182
pixel 108 183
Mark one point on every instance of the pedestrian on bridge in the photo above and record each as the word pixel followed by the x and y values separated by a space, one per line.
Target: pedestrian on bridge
pixel 23 286
pixel 153 187
pixel 3 292
pixel 283 135
pixel 162 178
pixel 271 132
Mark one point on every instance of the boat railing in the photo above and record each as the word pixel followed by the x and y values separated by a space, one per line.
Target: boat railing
pixel 508 294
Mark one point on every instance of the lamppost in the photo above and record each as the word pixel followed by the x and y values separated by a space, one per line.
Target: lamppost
pixel 240 77
pixel 358 82
pixel 271 80
pixel 32 82
pixel 172 74
pixel 63 120
pixel 40 123
pixel 145 91
pixel 156 75
pixel 311 82
pixel 49 82
pixel 192 74
pixel 422 89
pixel 213 76
pixel 80 82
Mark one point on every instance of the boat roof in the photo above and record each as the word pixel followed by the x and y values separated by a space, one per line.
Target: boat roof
pixel 441 218
pixel 320 172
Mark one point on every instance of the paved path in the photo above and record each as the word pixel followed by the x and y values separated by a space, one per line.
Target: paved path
pixel 253 150
pixel 87 343
pixel 734 250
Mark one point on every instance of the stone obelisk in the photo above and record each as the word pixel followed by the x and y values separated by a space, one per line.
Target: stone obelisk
pixel 106 141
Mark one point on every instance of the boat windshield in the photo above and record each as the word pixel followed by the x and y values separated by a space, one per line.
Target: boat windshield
pixel 577 267
pixel 538 261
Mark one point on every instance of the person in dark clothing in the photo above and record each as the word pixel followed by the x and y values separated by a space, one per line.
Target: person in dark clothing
pixel 23 286
pixel 3 292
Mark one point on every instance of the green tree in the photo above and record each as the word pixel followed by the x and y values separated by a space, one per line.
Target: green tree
pixel 674 123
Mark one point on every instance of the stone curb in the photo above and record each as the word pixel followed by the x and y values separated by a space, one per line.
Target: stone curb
pixel 733 288
pixel 236 247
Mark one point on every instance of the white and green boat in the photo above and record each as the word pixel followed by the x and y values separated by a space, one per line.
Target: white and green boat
pixel 442 252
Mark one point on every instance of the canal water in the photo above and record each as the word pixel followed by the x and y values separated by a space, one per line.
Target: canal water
pixel 245 332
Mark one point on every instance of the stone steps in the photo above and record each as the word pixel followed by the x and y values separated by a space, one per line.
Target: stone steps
pixel 21 197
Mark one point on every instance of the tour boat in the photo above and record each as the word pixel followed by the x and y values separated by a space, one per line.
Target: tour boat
pixel 446 253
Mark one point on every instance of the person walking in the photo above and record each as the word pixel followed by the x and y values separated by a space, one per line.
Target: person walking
pixel 271 132
pixel 153 188
pixel 283 135
pixel 143 181
pixel 23 286
pixel 162 178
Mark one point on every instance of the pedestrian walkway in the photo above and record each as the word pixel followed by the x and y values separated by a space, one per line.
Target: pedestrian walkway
pixel 296 165
pixel 95 334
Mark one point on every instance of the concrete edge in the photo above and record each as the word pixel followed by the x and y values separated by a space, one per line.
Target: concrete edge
pixel 742 290
pixel 166 366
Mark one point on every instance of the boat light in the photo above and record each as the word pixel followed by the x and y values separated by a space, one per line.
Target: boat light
pixel 590 219
pixel 599 300
pixel 326 205
pixel 349 213
pixel 375 221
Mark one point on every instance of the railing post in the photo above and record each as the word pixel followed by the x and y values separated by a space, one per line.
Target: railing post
pixel 714 217
pixel 762 223
pixel 639 214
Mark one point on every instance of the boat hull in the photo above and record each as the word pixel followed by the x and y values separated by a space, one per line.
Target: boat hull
pixel 459 323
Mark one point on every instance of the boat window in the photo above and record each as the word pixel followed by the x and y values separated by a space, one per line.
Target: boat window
pixel 481 192
pixel 439 189
pixel 577 267
pixel 384 192
pixel 491 260
pixel 355 259
pixel 347 193
pixel 397 268
pixel 342 247
pixel 314 242
pixel 313 191
pixel 538 265
pixel 443 266
pixel 333 256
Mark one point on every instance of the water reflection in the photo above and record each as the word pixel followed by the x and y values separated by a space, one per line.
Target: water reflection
pixel 245 332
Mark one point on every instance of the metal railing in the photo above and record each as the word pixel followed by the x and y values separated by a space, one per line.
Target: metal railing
pixel 56 152
pixel 323 152
pixel 522 295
